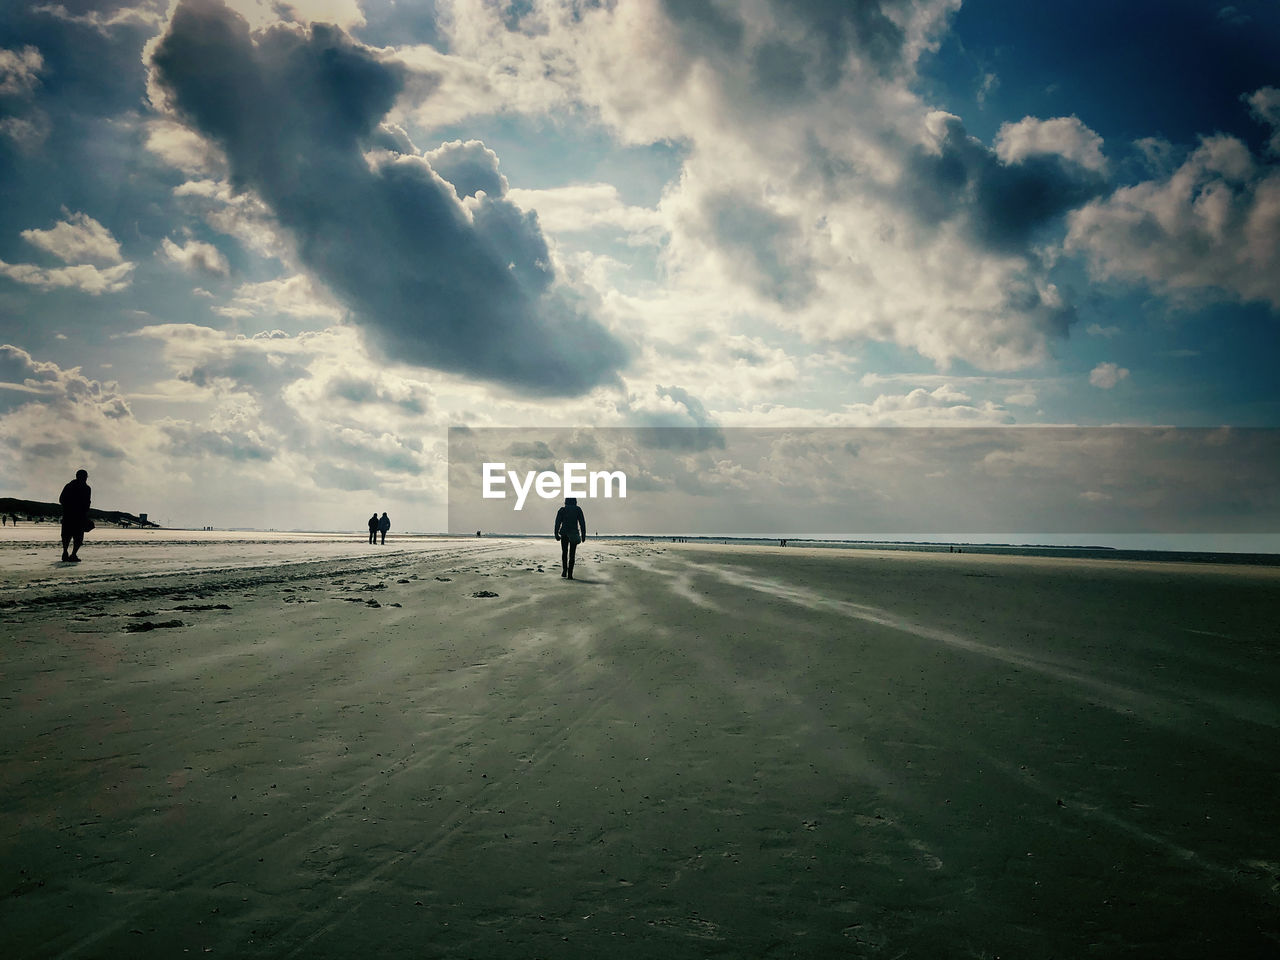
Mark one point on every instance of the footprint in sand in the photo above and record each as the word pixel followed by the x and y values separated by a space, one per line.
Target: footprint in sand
pixel 484 593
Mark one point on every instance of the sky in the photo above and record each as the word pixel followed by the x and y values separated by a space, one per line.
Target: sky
pixel 257 258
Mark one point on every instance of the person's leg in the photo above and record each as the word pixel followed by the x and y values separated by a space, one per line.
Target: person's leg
pixel 573 552
pixel 76 541
pixel 66 542
pixel 564 556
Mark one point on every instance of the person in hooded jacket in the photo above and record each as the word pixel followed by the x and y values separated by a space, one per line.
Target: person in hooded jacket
pixel 570 530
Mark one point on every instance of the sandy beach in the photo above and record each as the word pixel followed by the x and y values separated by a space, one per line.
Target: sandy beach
pixel 438 748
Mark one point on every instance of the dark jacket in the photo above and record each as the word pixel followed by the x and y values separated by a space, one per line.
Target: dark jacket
pixel 569 520
pixel 75 499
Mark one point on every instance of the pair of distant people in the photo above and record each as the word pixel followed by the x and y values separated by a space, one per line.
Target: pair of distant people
pixel 570 530
pixel 379 525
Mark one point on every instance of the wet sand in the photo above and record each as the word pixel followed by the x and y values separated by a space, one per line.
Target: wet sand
pixel 689 751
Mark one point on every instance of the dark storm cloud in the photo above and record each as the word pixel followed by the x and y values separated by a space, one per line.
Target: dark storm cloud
pixel 531 451
pixel 293 108
pixel 335 476
pixel 823 37
pixel 388 136
pixel 1005 204
pixel 62 142
pixel 188 441
pixel 253 370
pixel 360 391
pixel 692 429
pixel 766 250
pixel 396 457
pixel 842 26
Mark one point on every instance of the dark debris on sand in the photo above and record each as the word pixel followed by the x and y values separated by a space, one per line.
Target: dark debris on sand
pixel 484 593
pixel 148 625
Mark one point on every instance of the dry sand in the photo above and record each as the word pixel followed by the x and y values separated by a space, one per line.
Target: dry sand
pixel 688 752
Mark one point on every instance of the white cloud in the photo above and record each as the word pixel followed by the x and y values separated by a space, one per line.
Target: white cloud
pixel 1161 156
pixel 29 131
pixel 1265 106
pixel 84 277
pixel 262 13
pixel 585 206
pixel 242 216
pixel 183 149
pixel 990 83
pixel 24 124
pixel 1212 224
pixel 314 402
pixel 1098 330
pixel 20 71
pixel 77 239
pixel 1106 375
pixel 196 256
pixel 916 408
pixel 294 296
pixel 53 420
pixel 1066 137
pixel 147 14
pixel 797 203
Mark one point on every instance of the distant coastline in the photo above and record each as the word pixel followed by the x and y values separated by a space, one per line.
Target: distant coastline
pixel 35 511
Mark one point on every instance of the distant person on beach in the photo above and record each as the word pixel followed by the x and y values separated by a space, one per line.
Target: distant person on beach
pixel 384 524
pixel 75 499
pixel 570 530
pixel 373 528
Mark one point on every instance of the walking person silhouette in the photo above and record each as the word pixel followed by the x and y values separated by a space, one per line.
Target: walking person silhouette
pixel 75 499
pixel 570 530
pixel 373 529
